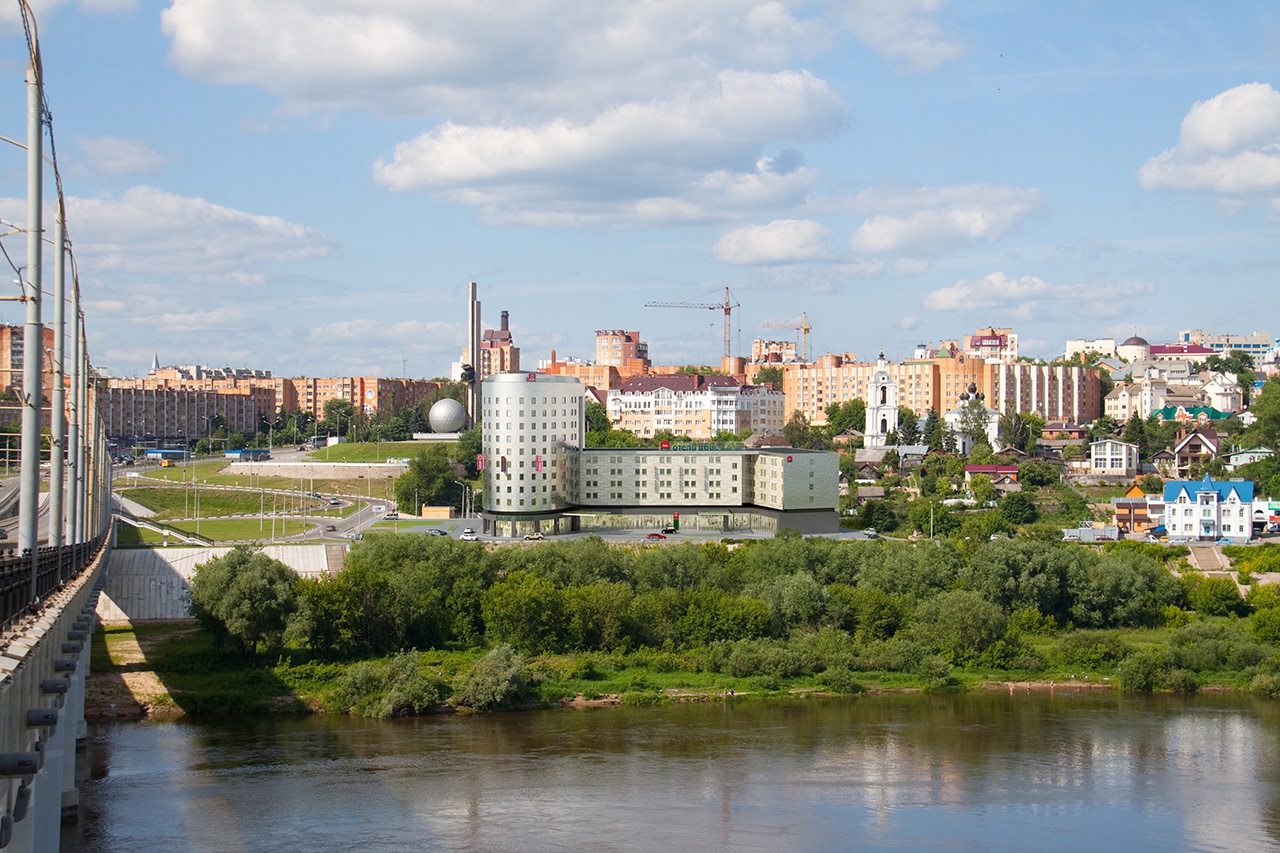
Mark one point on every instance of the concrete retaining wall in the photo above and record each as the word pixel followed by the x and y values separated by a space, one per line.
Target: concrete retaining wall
pixel 32 656
pixel 326 470
pixel 151 583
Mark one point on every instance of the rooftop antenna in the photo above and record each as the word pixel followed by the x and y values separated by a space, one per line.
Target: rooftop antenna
pixel 404 367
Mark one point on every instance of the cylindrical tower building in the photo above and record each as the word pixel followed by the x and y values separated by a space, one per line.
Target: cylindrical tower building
pixel 533 430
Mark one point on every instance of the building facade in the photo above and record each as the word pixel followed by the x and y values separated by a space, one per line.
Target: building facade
pixel 1113 458
pixel 623 350
pixel 537 476
pixel 1256 344
pixel 882 407
pixel 1208 510
pixel 694 406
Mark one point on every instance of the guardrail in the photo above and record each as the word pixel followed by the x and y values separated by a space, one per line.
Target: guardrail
pixel 161 527
pixel 55 568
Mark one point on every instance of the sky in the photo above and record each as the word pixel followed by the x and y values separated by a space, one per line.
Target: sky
pixel 307 186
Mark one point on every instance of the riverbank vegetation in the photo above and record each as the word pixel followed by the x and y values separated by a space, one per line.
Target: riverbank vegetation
pixel 415 624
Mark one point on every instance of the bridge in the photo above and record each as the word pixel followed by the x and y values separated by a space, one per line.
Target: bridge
pixel 51 580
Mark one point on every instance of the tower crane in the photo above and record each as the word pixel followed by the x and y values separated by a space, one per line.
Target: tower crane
pixel 727 307
pixel 803 327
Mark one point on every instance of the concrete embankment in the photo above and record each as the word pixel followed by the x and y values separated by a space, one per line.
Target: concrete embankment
pixel 149 584
pixel 319 469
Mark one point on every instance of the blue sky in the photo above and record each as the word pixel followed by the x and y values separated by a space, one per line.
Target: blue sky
pixel 307 186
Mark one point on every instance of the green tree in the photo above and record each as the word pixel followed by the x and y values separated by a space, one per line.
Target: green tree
pixel 798 432
pixel 1013 429
pixel 851 414
pixel 1018 509
pixel 337 416
pixel 935 430
pixel 524 610
pixel 958 625
pixel 1037 472
pixel 245 596
pixel 908 426
pixel 1135 433
pixel 1151 484
pixel 597 417
pixel 770 376
pixel 1103 427
pixel 428 482
pixel 973 422
pixel 983 490
pixel 496 680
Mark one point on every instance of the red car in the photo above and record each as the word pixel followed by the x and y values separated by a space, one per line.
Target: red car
pixel 330 528
pixel 654 537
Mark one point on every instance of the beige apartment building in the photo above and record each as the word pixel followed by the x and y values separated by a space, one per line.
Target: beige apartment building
pixel 1056 392
pixel 695 406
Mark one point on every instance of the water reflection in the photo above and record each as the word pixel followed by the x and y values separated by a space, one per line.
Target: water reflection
pixel 987 771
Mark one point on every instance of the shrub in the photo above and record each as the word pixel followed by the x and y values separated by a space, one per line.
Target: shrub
pixel 397 688
pixel 936 674
pixel 1262 596
pixel 840 680
pixel 1265 625
pixel 1206 647
pixel 1176 617
pixel 1011 653
pixel 1029 620
pixel 497 679
pixel 896 655
pixel 1179 681
pixel 1093 649
pixel 1265 684
pixel 1142 672
pixel 958 625
pixel 1216 597
pixel 644 698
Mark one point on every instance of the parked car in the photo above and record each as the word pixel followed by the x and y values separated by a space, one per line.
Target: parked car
pixel 331 528
pixel 469 535
pixel 870 533
pixel 435 531
pixel 654 537
pixel 669 530
pixel 533 537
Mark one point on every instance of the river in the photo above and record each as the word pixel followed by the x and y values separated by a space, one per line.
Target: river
pixel 988 771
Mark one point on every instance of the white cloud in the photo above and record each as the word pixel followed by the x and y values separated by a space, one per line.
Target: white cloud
pixel 1229 144
pixel 148 229
pixel 680 158
pixel 113 155
pixel 903 30
pixel 781 241
pixel 402 332
pixel 487 59
pixel 1029 297
pixel 611 112
pixel 928 221
pixel 478 59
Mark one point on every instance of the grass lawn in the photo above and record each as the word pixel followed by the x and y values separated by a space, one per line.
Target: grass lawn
pixel 240 529
pixel 181 503
pixel 127 534
pixel 370 451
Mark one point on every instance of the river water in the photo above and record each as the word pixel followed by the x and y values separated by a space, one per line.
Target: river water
pixel 1068 771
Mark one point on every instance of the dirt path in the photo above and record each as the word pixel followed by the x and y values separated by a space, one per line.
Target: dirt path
pixel 130 689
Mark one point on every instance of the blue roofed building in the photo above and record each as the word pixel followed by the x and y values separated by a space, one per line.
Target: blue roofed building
pixel 1207 510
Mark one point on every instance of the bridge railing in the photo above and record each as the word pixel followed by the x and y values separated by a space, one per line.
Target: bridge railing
pixel 55 568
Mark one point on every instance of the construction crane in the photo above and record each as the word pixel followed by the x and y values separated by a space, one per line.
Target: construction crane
pixel 727 307
pixel 803 327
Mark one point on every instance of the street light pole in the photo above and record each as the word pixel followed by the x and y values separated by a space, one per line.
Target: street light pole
pixel 33 332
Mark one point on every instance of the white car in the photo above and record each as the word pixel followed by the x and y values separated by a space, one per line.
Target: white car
pixel 469 535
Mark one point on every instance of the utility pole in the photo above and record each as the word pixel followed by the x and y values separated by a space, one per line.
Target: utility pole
pixel 33 332
pixel 58 400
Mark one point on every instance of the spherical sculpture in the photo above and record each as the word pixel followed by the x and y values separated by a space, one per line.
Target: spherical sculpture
pixel 447 415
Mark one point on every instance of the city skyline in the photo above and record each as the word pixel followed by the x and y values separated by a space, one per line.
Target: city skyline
pixel 308 189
